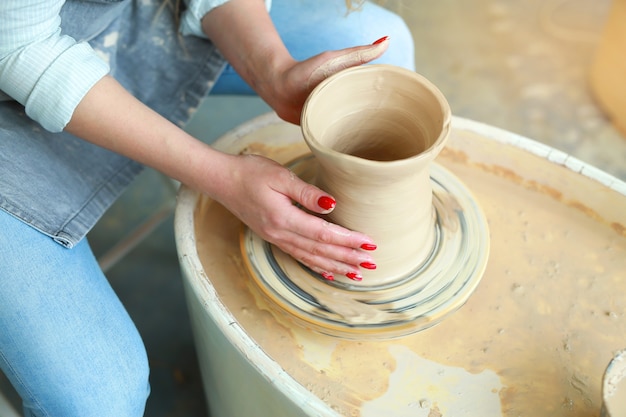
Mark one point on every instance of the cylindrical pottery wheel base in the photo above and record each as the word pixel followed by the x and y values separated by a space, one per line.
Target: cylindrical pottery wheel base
pixel 533 339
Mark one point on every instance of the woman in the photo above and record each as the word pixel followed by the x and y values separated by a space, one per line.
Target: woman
pixel 94 90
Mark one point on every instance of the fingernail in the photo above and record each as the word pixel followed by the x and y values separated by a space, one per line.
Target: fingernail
pixel 354 276
pixel 326 202
pixel 368 246
pixel 368 265
pixel 328 276
pixel 381 40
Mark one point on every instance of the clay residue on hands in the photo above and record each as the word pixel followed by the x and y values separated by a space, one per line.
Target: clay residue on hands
pixel 356 56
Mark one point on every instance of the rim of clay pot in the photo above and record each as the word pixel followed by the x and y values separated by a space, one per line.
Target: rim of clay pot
pixel 375 71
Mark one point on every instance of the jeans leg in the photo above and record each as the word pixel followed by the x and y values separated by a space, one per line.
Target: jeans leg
pixel 66 342
pixel 309 27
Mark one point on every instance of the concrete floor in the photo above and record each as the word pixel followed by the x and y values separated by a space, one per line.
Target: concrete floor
pixel 521 66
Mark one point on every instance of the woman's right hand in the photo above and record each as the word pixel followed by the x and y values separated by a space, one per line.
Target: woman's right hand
pixel 262 193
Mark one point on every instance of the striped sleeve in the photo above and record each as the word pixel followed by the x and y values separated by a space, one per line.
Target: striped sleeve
pixel 47 72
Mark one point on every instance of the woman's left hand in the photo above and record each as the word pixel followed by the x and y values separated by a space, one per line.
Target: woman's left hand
pixel 244 33
pixel 293 81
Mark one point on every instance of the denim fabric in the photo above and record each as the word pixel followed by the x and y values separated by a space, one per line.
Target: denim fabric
pixel 61 185
pixel 66 342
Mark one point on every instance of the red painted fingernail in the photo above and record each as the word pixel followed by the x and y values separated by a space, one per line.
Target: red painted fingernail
pixel 368 246
pixel 381 40
pixel 354 276
pixel 368 265
pixel 326 202
pixel 328 276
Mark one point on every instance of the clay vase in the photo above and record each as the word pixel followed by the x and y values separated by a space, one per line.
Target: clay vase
pixel 374 131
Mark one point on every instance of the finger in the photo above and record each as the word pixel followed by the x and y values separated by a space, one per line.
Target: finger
pixel 319 262
pixel 322 238
pixel 322 258
pixel 324 247
pixel 346 58
pixel 311 227
pixel 307 195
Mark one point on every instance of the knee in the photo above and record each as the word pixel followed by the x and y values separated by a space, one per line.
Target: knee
pixel 309 27
pixel 371 22
pixel 119 389
pixel 123 389
pixel 127 391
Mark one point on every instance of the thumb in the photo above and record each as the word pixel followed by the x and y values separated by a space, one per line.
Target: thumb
pixel 336 61
pixel 309 196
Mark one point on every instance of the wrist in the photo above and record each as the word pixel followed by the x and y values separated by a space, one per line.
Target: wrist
pixel 271 79
pixel 245 35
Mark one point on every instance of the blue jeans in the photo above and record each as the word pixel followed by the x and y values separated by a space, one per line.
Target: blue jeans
pixel 66 342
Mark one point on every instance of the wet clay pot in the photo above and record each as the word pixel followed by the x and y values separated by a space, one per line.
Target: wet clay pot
pixel 374 131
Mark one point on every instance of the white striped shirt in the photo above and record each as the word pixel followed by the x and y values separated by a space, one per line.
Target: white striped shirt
pixel 49 72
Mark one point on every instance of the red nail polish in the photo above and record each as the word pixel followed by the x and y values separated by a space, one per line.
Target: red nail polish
pixel 354 276
pixel 368 246
pixel 381 40
pixel 368 265
pixel 326 202
pixel 328 276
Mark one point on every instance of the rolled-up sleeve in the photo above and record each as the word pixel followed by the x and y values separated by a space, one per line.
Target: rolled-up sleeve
pixel 47 72
pixel 190 22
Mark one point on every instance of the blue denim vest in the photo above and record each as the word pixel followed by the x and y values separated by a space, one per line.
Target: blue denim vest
pixel 62 185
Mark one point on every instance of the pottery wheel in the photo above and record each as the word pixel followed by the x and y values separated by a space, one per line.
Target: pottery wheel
pixel 421 299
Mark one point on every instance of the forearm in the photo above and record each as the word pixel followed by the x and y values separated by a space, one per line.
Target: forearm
pixel 112 118
pixel 243 31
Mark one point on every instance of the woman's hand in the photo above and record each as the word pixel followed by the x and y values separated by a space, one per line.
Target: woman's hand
pixel 293 81
pixel 261 193
pixel 244 33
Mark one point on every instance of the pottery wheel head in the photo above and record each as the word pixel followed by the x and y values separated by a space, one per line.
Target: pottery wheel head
pixel 421 299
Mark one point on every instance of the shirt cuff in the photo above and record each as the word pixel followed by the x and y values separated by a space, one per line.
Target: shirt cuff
pixel 51 78
pixel 53 100
pixel 190 22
